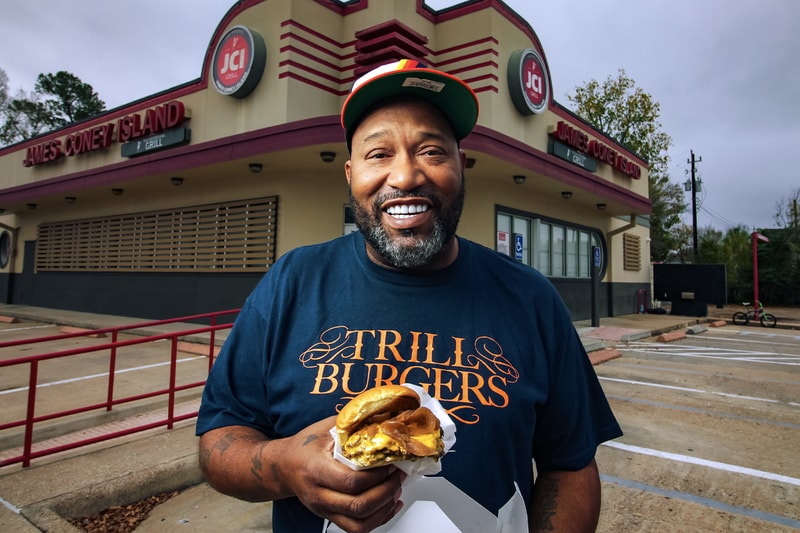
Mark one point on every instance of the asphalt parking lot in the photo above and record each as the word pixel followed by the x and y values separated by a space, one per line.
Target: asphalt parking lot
pixel 711 425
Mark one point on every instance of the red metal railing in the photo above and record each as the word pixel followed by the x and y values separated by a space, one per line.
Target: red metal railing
pixel 31 418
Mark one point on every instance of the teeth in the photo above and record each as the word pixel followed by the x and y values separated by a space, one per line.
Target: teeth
pixel 406 210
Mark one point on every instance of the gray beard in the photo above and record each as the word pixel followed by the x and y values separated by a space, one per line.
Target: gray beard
pixel 418 253
pixel 408 252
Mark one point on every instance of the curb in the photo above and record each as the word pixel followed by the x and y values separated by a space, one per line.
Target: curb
pixel 630 337
pixel 694 330
pixel 73 329
pixel 54 515
pixel 196 348
pixel 671 336
pixel 601 356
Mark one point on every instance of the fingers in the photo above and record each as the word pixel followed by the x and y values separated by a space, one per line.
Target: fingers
pixel 369 509
pixel 354 500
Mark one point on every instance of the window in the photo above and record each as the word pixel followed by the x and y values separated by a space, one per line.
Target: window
pixel 572 253
pixel 232 236
pixel 543 245
pixel 5 248
pixel 554 248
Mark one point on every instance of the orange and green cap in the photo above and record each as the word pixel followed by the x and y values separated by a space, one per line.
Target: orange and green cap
pixel 408 77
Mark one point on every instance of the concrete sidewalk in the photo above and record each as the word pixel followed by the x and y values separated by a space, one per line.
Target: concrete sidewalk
pixel 85 481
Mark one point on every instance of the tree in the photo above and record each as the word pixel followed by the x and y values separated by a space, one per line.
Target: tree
pixel 23 117
pixel 3 89
pixel 709 246
pixel 779 266
pixel 58 100
pixel 72 99
pixel 787 211
pixel 628 114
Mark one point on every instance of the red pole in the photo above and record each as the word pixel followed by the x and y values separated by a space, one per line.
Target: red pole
pixel 756 237
pixel 755 272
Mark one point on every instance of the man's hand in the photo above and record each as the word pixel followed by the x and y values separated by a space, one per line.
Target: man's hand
pixel 244 463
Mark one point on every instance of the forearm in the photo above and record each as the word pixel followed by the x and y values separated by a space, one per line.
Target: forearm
pixel 565 501
pixel 242 462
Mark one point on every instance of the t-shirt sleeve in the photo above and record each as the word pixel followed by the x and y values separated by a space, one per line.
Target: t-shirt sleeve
pixel 576 417
pixel 235 393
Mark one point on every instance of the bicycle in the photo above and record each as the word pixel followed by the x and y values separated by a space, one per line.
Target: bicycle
pixel 743 318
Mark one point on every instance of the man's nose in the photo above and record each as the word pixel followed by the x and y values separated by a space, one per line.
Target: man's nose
pixel 406 174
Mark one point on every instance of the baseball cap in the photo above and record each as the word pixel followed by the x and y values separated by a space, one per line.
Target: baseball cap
pixel 408 77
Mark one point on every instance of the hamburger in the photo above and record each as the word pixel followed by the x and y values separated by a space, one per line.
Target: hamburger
pixel 387 424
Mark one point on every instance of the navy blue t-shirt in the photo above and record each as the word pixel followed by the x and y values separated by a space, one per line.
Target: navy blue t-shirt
pixel 488 337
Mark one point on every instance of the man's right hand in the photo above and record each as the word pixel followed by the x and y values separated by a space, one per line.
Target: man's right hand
pixel 243 462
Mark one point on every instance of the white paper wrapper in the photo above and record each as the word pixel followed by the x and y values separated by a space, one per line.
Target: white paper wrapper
pixel 424 466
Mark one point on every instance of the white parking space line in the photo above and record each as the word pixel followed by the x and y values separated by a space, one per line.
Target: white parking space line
pixel 683 350
pixel 103 374
pixel 687 389
pixel 733 333
pixel 704 462
pixel 26 328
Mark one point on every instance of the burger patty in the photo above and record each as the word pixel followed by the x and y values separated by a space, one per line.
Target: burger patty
pixel 410 434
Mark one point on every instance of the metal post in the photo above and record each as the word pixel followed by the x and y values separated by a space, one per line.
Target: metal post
pixel 756 237
pixel 692 160
pixel 595 282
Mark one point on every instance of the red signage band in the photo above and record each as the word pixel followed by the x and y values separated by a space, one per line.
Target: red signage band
pixel 125 129
pixel 598 150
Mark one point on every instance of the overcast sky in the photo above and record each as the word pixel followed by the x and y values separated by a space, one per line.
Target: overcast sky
pixel 726 73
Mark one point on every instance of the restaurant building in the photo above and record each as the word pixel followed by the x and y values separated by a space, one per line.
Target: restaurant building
pixel 178 203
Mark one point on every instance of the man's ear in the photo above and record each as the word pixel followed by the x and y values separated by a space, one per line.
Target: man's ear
pixel 347 170
pixel 463 156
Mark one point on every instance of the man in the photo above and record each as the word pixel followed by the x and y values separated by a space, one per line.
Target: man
pixel 405 300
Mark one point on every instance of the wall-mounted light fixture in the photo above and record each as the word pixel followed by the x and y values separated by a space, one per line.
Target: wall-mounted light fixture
pixel 327 157
pixel 175 180
pixel 255 168
pixel 70 199
pixel 470 162
pixel 519 179
pixel 601 207
pixel 566 195
pixel 32 206
pixel 117 192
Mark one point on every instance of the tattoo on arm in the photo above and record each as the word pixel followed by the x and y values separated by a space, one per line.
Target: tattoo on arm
pixel 223 443
pixel 258 465
pixel 547 499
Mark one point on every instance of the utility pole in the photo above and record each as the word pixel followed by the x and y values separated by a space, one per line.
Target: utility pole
pixel 694 160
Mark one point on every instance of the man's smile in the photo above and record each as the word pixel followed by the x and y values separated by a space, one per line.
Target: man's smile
pixel 405 210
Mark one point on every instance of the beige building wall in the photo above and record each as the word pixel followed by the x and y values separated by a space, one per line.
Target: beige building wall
pixel 292 115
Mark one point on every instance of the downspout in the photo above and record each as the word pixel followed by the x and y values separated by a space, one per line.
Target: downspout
pixel 629 226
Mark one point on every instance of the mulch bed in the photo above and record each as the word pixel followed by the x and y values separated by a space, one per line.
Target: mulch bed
pixel 121 518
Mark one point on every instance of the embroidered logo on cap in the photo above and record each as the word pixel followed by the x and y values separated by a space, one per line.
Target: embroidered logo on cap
pixel 428 85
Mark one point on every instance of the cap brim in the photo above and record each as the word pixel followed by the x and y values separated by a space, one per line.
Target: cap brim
pixel 454 97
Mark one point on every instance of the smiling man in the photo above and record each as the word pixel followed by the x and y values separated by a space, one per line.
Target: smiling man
pixel 407 185
pixel 406 300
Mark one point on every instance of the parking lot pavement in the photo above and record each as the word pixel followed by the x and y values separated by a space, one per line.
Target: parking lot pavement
pixel 126 470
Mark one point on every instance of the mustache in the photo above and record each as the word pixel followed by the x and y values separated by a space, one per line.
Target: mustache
pixel 396 195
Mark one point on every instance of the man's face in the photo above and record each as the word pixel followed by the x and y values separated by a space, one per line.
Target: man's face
pixel 407 185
